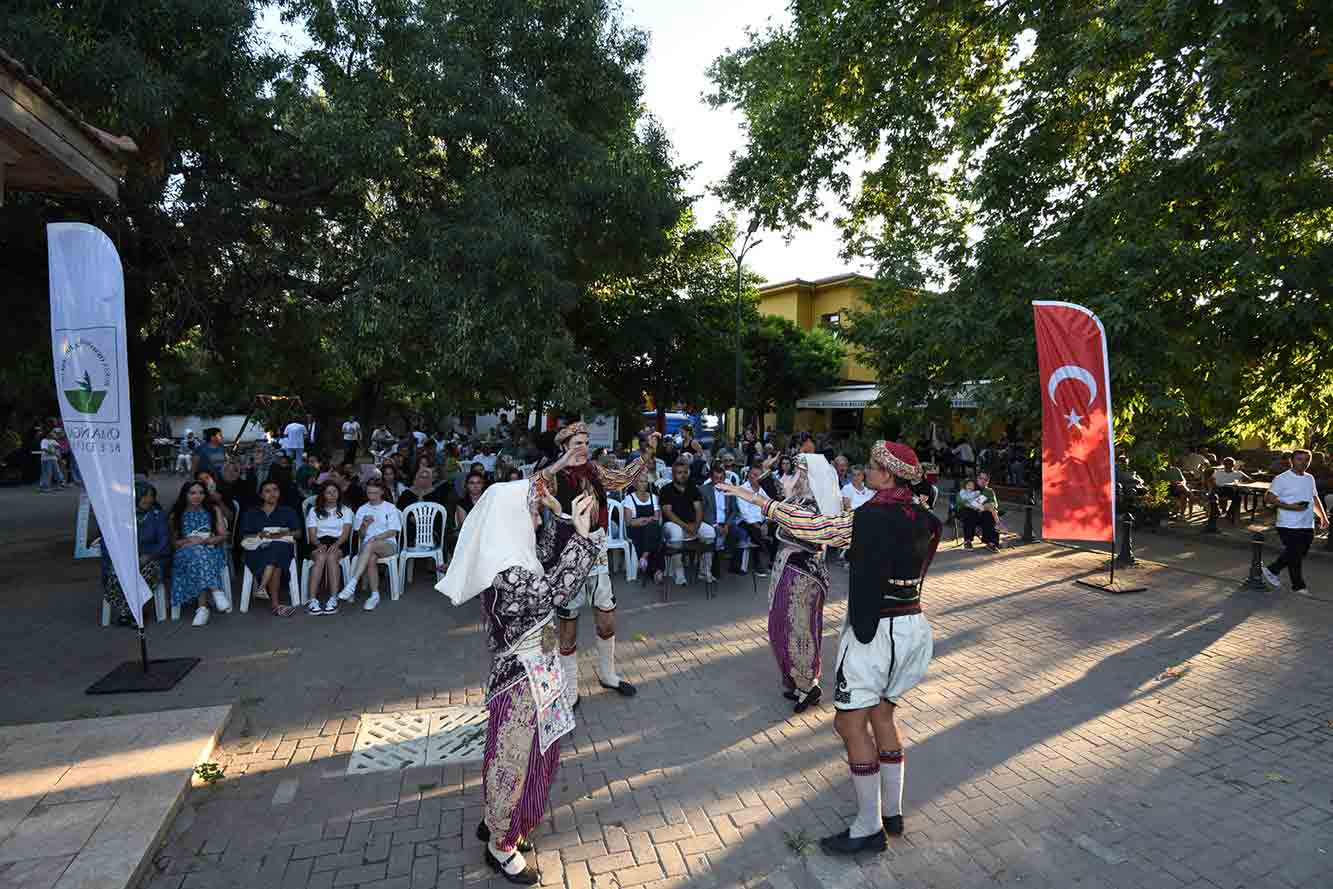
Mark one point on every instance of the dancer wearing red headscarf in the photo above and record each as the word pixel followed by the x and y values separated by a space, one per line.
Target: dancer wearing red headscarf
pixel 886 643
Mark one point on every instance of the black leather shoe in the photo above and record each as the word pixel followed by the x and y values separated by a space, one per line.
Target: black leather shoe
pixel 624 688
pixel 811 699
pixel 529 876
pixel 893 825
pixel 523 845
pixel 791 695
pixel 843 844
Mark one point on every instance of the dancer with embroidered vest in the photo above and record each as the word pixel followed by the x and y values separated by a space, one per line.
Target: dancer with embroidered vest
pixel 499 557
pixel 886 642
pixel 570 476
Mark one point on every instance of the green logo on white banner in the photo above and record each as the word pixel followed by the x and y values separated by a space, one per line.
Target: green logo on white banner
pixel 86 372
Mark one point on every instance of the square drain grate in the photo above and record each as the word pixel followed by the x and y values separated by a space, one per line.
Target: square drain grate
pixel 437 736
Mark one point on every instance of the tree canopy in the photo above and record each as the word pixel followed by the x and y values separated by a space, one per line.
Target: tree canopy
pixel 1166 164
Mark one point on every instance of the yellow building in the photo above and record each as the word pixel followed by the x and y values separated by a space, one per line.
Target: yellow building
pixel 825 302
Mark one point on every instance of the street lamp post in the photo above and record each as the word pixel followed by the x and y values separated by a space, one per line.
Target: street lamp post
pixel 738 257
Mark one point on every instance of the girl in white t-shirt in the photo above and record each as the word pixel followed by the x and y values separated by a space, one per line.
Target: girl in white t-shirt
pixel 379 523
pixel 328 526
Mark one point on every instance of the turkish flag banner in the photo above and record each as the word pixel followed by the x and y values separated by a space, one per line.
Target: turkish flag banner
pixel 1077 443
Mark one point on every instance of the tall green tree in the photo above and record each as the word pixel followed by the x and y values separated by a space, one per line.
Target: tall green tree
pixel 668 332
pixel 1164 163
pixel 784 362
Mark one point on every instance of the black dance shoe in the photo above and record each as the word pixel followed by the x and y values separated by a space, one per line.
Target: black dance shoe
pixel 791 696
pixel 893 825
pixel 810 699
pixel 528 876
pixel 624 688
pixel 844 844
pixel 523 845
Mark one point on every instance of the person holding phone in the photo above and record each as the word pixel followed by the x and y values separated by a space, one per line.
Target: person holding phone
pixel 1296 497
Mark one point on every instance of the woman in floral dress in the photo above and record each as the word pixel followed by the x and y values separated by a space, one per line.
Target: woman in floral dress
pixel 198 533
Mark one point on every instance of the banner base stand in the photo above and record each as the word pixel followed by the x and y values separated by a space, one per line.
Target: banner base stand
pixel 130 677
pixel 1113 587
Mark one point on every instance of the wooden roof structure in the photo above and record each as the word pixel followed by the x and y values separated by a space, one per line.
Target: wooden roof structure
pixel 46 147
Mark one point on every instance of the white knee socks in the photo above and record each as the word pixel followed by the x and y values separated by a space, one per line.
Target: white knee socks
pixel 569 665
pixel 892 770
pixel 606 661
pixel 865 778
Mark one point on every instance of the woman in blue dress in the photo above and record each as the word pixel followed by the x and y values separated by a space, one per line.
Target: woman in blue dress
pixel 198 534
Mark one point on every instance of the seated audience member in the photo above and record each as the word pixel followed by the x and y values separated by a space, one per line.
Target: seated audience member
pixel 473 487
pixel 842 466
pixel 198 534
pixel 306 475
pixel 1229 498
pixel 856 492
pixel 349 480
pixel 154 539
pixel 978 506
pixel 328 528
pixel 721 513
pixel 268 535
pixel 215 495
pixel 682 509
pixel 393 485
pixel 424 490
pixel 752 522
pixel 643 523
pixel 378 523
pixel 1179 489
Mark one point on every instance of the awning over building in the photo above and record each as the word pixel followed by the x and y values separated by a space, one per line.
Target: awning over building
pixel 845 397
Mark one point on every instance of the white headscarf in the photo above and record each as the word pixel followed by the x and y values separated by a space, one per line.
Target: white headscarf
pixel 823 482
pixel 497 535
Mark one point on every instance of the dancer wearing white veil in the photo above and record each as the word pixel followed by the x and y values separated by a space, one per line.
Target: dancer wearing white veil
pixel 498 557
pixel 800 585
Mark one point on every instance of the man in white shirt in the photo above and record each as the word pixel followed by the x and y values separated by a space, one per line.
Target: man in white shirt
pixel 1228 500
pixel 965 456
pixel 750 521
pixel 351 439
pixel 293 442
pixel 1296 497
pixel 487 460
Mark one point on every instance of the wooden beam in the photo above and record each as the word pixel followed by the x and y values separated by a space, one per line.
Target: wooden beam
pixel 59 139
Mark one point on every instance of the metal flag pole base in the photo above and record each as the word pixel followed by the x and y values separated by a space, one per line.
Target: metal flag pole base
pixel 1125 559
pixel 143 675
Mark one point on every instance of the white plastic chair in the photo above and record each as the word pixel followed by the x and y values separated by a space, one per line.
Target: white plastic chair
pixel 390 562
pixel 618 539
pixel 293 586
pixel 159 605
pixel 423 545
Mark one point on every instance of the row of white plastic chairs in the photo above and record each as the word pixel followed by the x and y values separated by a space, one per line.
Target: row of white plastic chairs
pixel 399 566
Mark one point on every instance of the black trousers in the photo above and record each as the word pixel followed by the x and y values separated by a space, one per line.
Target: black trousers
pixel 1295 544
pixel 349 451
pixel 759 537
pixel 972 519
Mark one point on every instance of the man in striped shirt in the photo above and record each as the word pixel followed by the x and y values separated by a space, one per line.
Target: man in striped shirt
pixel 886 642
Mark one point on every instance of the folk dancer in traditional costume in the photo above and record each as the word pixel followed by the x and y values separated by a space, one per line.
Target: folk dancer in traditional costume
pixel 571 475
pixel 800 585
pixel 498 556
pixel 886 642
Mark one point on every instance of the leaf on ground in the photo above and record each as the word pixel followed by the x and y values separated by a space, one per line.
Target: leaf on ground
pixel 639 637
pixel 1274 776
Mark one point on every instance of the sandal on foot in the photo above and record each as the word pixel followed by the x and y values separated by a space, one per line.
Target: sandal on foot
pixel 283 611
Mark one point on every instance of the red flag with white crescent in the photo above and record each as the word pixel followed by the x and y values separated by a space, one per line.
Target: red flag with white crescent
pixel 1077 443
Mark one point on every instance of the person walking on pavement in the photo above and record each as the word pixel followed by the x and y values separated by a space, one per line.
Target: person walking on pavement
pixel 351 439
pixel 1296 497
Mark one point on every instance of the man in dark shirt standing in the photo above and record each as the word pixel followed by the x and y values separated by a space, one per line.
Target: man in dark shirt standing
pixel 682 516
pixel 211 455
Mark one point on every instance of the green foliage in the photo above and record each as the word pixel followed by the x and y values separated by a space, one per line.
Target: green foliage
pixel 1165 164
pixel 784 362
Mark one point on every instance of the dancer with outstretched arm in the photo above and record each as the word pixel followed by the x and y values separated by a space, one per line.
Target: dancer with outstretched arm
pixel 886 644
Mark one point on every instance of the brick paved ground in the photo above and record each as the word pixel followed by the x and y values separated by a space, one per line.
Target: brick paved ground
pixel 1179 738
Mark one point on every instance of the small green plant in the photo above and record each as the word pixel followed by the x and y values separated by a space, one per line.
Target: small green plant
pixel 639 637
pixel 799 842
pixel 210 772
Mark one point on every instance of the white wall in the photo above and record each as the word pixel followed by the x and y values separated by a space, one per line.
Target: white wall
pixel 230 424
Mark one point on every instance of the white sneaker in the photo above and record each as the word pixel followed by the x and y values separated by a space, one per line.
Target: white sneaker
pixel 679 579
pixel 331 606
pixel 372 602
pixel 709 578
pixel 221 602
pixel 200 616
pixel 1271 579
pixel 313 607
pixel 347 593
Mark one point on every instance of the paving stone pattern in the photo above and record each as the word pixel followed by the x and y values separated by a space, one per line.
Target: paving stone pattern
pixel 1178 738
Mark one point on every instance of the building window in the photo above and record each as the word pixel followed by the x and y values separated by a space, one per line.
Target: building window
pixel 832 323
